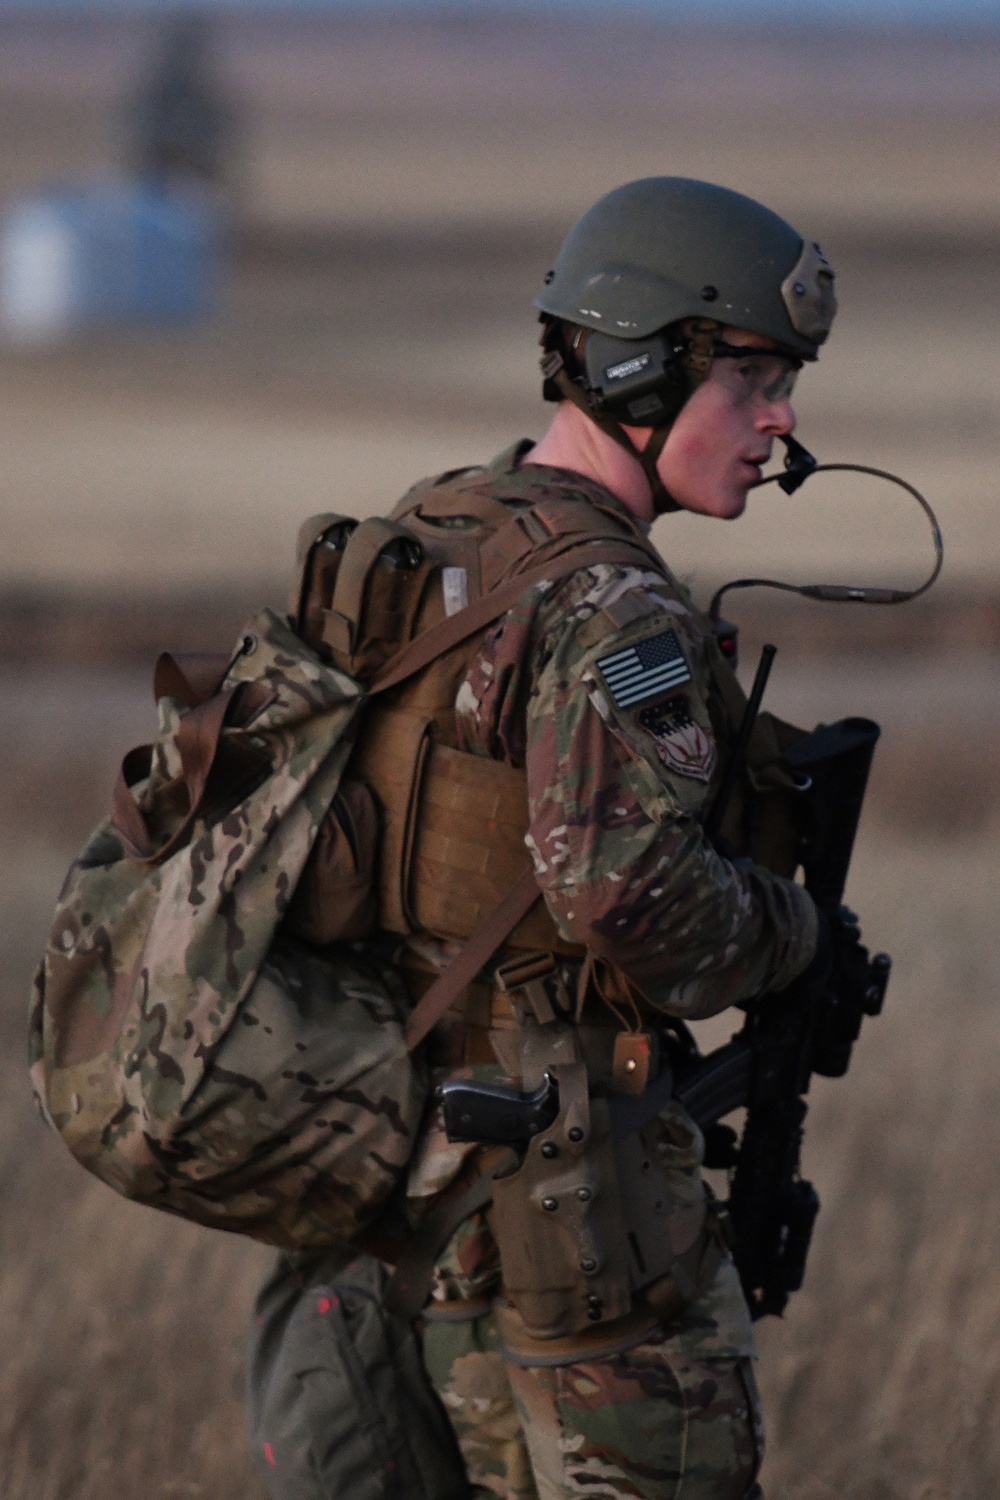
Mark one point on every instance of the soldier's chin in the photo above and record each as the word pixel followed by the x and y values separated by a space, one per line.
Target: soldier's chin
pixel 734 504
pixel 724 503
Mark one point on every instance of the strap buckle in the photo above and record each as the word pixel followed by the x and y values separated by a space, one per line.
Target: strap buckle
pixel 534 979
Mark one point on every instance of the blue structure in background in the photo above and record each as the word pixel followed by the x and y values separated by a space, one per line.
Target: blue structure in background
pixel 111 254
pixel 144 248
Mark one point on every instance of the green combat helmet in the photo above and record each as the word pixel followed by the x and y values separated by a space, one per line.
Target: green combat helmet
pixel 650 256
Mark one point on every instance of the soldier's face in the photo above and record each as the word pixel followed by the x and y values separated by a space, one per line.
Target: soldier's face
pixel 724 433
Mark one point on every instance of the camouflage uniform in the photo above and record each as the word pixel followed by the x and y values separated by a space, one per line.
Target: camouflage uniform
pixel 615 796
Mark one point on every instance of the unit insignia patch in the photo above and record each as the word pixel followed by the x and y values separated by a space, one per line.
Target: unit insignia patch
pixel 681 744
pixel 645 670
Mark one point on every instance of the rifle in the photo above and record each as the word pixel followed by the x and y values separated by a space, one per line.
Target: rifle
pixel 810 1027
pixel 766 1067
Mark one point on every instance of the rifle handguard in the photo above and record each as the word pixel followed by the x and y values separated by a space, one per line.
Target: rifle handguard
pixel 880 969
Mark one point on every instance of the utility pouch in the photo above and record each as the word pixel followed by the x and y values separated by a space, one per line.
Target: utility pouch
pixel 335 899
pixel 318 553
pixel 378 588
pixel 339 1406
pixel 558 1220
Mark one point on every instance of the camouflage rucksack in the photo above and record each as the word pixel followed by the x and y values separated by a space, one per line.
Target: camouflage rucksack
pixel 186 1056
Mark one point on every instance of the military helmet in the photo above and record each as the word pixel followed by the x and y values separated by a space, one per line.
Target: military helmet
pixel 663 249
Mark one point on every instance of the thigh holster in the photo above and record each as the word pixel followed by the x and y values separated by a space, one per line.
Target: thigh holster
pixel 558 1220
pixel 600 1238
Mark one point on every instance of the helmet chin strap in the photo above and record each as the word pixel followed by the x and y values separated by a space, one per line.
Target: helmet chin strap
pixel 647 456
pixel 663 500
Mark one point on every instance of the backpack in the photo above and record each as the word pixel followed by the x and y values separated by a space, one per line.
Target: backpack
pixel 190 1049
pixel 187 1053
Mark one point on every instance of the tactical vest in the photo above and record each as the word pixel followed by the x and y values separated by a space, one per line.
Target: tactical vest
pixel 437 833
pixel 452 824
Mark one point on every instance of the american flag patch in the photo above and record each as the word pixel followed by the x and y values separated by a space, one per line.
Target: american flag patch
pixel 645 670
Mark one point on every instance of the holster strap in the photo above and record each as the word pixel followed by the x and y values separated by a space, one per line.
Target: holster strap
pixel 521 1348
pixel 410 1283
pixel 456 1312
pixel 657 1306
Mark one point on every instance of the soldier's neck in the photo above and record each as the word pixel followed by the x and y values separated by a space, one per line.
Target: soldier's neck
pixel 573 442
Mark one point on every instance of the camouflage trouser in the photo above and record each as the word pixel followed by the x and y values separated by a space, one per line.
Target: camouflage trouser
pixel 650 1422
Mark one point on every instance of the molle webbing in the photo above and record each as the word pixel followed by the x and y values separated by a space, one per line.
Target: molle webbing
pixel 453 832
pixel 469 847
pixel 495 541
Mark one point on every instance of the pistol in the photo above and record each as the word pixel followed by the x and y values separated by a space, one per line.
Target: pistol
pixel 497 1116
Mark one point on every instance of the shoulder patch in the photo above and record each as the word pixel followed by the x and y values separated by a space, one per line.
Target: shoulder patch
pixel 681 742
pixel 626 609
pixel 646 670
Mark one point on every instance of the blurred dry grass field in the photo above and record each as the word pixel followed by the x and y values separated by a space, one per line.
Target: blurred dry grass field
pixel 402 187
pixel 123 1329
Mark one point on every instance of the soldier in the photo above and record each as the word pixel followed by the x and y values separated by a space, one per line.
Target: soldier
pixel 180 125
pixel 674 322
pixel 547 715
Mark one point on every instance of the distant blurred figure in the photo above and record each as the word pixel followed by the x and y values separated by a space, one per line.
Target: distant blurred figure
pixel 181 126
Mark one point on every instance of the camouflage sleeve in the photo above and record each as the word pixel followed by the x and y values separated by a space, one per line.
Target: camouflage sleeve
pixel 621 760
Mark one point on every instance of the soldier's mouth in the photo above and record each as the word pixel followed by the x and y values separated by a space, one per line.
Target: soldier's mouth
pixel 755 467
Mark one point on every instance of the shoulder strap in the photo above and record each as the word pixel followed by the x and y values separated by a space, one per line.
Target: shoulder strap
pixel 491 934
pixel 498 926
pixel 441 638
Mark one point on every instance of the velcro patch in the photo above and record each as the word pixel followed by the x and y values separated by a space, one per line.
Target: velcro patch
pixel 645 670
pixel 681 742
